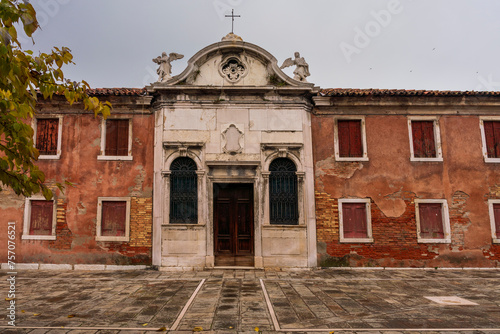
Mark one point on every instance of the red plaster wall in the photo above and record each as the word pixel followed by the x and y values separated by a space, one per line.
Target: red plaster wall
pixel 77 205
pixel 392 182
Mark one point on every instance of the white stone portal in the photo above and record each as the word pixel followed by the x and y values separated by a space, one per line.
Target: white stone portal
pixel 233 111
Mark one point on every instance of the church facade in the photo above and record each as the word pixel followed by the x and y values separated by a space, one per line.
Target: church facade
pixel 232 163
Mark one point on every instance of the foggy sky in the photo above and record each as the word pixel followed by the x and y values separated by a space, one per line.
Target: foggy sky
pixel 419 44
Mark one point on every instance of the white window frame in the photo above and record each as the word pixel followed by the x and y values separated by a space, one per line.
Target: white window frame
pixel 437 138
pixel 367 202
pixel 34 126
pixel 445 216
pixel 363 139
pixel 483 137
pixel 492 220
pixel 126 237
pixel 27 220
pixel 102 155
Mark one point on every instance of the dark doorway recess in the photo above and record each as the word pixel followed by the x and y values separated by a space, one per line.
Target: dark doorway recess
pixel 233 224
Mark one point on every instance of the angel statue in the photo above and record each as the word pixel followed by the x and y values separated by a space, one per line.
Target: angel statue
pixel 302 69
pixel 165 69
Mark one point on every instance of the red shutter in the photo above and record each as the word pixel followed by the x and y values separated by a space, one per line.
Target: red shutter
pixel 350 143
pixel 492 136
pixel 113 220
pixel 122 137
pixel 47 131
pixel 117 137
pixel 431 221
pixel 424 144
pixel 496 214
pixel 354 220
pixel 41 217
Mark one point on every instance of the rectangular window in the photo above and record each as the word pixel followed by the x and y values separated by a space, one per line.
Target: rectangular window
pixel 39 220
pixel 490 131
pixel 350 139
pixel 116 143
pixel 113 220
pixel 494 205
pixel 433 221
pixel 48 137
pixel 355 220
pixel 425 144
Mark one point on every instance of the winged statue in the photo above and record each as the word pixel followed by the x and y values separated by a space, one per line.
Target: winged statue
pixel 302 69
pixel 165 69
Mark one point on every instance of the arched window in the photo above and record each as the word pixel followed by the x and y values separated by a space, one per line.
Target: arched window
pixel 283 197
pixel 183 192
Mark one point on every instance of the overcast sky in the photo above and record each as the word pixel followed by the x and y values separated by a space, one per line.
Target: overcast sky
pixel 419 44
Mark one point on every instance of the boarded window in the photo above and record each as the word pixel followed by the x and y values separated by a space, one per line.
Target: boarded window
pixel 183 192
pixel 349 135
pixel 431 220
pixel 42 214
pixel 114 217
pixel 424 144
pixel 283 196
pixel 47 130
pixel 492 136
pixel 117 137
pixel 496 214
pixel 354 220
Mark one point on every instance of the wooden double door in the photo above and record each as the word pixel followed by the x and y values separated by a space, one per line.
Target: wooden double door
pixel 233 224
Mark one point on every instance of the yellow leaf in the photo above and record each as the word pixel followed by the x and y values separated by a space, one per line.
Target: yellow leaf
pixel 198 329
pixel 145 324
pixel 22 311
pixel 35 314
pixel 256 329
pixel 162 329
pixel 71 316
pixel 9 299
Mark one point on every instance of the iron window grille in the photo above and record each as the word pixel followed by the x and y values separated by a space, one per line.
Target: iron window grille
pixel 283 195
pixel 183 192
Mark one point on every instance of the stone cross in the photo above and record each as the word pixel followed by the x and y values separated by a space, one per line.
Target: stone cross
pixel 232 16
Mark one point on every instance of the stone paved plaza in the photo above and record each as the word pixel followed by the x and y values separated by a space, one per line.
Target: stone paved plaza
pixel 235 301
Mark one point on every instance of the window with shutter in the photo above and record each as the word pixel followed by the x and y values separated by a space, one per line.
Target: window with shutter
pixel 355 220
pixel 117 137
pixel 350 141
pixel 47 130
pixel 349 134
pixel 496 217
pixel 424 145
pixel 41 217
pixel 114 217
pixel 492 138
pixel 432 220
pixel 494 206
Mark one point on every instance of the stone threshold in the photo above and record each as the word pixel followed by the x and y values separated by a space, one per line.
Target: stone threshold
pixel 53 266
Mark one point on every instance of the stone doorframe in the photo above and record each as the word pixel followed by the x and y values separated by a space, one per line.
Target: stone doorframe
pixel 234 172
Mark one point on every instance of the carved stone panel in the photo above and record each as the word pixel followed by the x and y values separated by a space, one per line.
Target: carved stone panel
pixel 233 69
pixel 232 139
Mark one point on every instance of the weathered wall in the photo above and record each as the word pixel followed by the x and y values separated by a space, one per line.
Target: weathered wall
pixel 393 182
pixel 91 178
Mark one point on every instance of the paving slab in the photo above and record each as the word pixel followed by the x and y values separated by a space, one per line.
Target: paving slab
pixel 250 301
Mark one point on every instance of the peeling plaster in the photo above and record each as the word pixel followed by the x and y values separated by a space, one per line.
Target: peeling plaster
pixel 136 190
pixel 81 208
pixel 10 200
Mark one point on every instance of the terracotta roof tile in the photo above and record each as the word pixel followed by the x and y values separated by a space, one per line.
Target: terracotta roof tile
pixel 400 92
pixel 117 91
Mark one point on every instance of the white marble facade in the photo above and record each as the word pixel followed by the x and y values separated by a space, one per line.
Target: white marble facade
pixel 233 111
